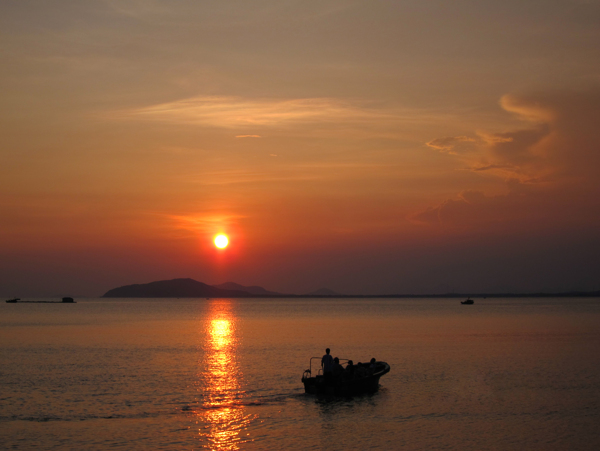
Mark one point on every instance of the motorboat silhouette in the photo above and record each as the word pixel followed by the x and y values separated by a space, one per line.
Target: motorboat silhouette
pixel 65 300
pixel 352 380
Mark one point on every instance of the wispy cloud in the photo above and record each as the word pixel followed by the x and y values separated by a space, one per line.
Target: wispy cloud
pixel 299 172
pixel 516 154
pixel 548 168
pixel 474 207
pixel 314 115
pixel 490 167
pixel 243 176
pixel 206 222
pixel 235 112
pixel 450 144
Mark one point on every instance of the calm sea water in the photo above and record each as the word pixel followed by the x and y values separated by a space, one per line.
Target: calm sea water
pixel 151 374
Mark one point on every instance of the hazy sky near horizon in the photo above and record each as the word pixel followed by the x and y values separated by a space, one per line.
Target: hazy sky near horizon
pixel 369 147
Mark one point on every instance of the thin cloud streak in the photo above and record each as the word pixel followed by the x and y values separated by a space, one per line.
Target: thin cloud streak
pixel 237 112
pixel 450 144
pixel 204 222
pixel 299 172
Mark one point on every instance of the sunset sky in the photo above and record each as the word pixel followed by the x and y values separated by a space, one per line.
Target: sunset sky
pixel 370 147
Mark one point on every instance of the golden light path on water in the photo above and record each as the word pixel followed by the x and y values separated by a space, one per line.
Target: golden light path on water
pixel 222 413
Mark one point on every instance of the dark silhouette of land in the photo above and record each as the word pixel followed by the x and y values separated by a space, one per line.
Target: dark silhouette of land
pixel 252 290
pixel 176 288
pixel 190 288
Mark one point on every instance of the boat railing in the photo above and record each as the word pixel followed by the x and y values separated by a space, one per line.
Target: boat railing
pixel 319 372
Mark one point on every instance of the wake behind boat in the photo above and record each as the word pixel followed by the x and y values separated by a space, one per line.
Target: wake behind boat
pixel 348 380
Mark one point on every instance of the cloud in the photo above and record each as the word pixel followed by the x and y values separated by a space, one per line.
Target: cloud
pixel 204 222
pixel 235 112
pixel 559 139
pixel 549 170
pixel 452 144
pixel 513 154
pixel 516 148
pixel 305 116
pixel 529 107
pixel 470 207
pixel 299 172
pixel 524 208
pixel 565 132
pixel 490 167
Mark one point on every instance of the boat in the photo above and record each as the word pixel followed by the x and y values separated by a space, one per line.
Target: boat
pixel 363 379
pixel 65 300
pixel 469 301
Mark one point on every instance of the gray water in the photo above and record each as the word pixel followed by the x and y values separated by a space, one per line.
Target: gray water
pixel 149 374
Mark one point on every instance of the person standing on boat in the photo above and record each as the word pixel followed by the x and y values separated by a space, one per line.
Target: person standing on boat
pixel 327 364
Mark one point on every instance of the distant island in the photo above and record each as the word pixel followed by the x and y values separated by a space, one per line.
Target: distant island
pixel 177 288
pixel 190 288
pixel 251 290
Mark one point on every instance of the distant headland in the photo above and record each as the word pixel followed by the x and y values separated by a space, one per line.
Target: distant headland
pixel 176 288
pixel 190 288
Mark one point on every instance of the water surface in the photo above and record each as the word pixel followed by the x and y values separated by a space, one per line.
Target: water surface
pixel 225 374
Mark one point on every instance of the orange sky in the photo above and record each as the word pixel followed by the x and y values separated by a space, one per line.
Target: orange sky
pixel 367 147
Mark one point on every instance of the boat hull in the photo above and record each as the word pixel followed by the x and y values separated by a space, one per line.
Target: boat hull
pixel 343 386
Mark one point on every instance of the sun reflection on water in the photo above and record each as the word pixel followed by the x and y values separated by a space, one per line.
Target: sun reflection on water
pixel 222 412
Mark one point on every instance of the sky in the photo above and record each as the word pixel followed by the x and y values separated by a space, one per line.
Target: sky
pixel 369 147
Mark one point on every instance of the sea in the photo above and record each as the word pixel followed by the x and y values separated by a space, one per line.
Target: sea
pixel 225 374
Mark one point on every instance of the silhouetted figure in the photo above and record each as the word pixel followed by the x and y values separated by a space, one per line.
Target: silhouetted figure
pixel 327 364
pixel 349 371
pixel 361 370
pixel 337 369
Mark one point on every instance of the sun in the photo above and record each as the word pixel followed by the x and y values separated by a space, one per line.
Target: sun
pixel 221 241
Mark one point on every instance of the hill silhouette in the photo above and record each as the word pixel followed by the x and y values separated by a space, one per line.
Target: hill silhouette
pixel 176 288
pixel 252 290
pixel 190 288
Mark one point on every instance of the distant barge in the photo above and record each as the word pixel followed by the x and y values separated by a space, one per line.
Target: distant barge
pixel 66 300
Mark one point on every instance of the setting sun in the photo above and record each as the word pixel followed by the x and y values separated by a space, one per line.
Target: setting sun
pixel 221 241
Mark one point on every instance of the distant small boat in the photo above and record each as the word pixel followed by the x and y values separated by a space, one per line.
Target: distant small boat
pixel 65 300
pixel 469 301
pixel 364 379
